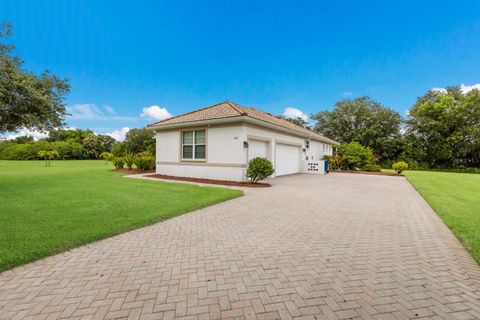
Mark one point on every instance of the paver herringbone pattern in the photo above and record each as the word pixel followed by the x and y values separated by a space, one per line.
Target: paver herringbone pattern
pixel 312 247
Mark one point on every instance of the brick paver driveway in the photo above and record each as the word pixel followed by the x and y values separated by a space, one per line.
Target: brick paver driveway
pixel 340 246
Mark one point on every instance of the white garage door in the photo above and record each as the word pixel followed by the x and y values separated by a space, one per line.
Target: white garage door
pixel 257 148
pixel 287 159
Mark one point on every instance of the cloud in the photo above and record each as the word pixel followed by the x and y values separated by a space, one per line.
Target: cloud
pixel 89 111
pixel 109 109
pixel 26 132
pixel 464 88
pixel 119 135
pixel 441 90
pixel 347 93
pixel 155 112
pixel 295 113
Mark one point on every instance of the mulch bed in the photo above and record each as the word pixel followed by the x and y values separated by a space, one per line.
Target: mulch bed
pixel 368 172
pixel 132 171
pixel 210 181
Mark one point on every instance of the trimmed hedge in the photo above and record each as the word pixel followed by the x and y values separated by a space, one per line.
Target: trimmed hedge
pixel 29 151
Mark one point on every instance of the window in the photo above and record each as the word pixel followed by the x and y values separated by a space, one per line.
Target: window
pixel 193 145
pixel 307 144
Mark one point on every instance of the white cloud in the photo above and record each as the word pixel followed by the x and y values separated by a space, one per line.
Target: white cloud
pixel 464 88
pixel 86 111
pixel 347 93
pixel 295 113
pixel 155 112
pixel 441 90
pixel 119 135
pixel 26 132
pixel 89 111
pixel 109 109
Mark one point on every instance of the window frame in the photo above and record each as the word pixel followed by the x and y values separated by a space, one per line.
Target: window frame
pixel 193 144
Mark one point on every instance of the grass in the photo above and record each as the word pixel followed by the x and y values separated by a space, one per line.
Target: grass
pixel 47 210
pixel 456 199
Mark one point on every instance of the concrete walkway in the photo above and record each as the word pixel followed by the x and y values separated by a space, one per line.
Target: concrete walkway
pixel 341 246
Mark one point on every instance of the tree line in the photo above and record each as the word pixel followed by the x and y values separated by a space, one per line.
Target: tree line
pixel 78 144
pixel 441 130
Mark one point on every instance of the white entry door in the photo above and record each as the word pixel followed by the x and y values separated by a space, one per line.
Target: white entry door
pixel 257 148
pixel 287 159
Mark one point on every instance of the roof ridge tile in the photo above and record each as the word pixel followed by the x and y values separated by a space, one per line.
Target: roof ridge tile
pixel 190 112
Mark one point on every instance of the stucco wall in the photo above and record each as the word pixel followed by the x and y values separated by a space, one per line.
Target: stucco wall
pixel 168 146
pixel 317 151
pixel 202 171
pixel 272 137
pixel 225 144
pixel 226 157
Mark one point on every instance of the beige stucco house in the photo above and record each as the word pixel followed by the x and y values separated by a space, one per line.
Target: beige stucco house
pixel 217 142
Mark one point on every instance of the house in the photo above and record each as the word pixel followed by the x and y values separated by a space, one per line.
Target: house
pixel 217 142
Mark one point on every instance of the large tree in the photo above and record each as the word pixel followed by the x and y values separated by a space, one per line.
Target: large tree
pixel 138 140
pixel 298 121
pixel 27 100
pixel 365 121
pixel 443 129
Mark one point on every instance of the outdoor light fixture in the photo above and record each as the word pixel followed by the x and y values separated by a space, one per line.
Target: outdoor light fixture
pixel 245 144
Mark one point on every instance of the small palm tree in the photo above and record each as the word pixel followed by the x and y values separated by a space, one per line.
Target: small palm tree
pixel 48 156
pixel 107 156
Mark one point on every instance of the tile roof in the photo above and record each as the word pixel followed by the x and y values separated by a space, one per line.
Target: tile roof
pixel 230 109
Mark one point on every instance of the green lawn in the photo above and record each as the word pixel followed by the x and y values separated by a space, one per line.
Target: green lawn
pixel 46 210
pixel 456 199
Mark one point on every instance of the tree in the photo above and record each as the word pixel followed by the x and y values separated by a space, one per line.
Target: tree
pixel 365 121
pixel 106 141
pixel 106 156
pixel 28 100
pixel 23 139
pixel 138 140
pixel 48 156
pixel 76 135
pixel 298 121
pixel 93 145
pixel 443 129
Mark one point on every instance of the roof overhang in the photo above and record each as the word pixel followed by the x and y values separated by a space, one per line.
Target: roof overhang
pixel 247 119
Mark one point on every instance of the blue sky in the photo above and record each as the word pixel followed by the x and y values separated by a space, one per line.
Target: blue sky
pixel 124 56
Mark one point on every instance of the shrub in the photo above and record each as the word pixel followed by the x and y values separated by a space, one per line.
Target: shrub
pixel 372 168
pixel 107 156
pixel 259 169
pixel 118 162
pixel 144 160
pixel 118 149
pixel 19 152
pixel 355 155
pixel 335 162
pixel 400 166
pixel 129 160
pixel 69 150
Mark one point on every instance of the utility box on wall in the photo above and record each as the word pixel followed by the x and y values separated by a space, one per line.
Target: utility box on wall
pixel 314 167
